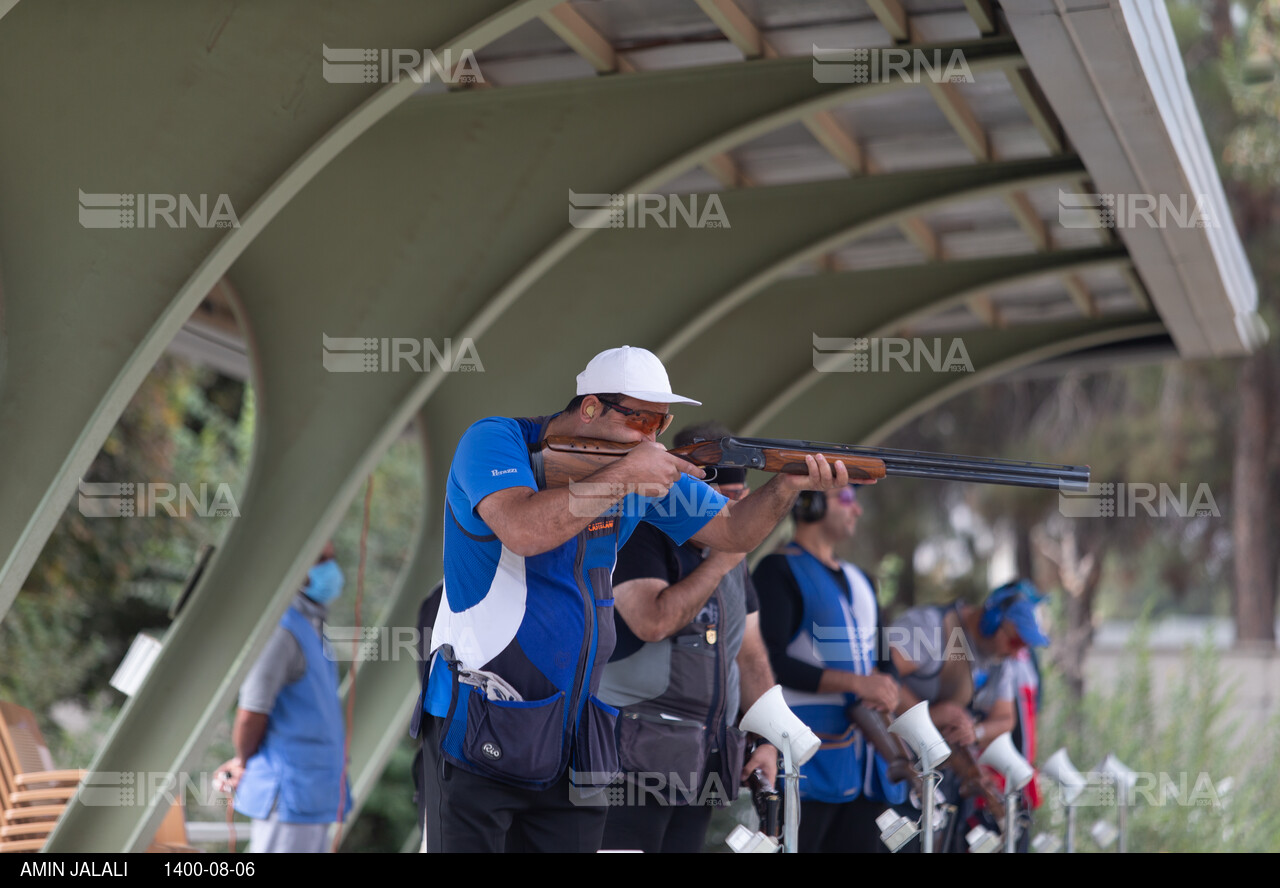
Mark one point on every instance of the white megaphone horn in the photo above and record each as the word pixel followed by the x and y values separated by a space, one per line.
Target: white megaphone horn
pixel 1124 777
pixel 1001 755
pixel 917 729
pixel 772 719
pixel 1059 769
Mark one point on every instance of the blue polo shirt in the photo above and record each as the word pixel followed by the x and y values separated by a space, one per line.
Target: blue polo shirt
pixel 536 620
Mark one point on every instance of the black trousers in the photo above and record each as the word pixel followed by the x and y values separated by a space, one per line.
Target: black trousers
pixel 841 828
pixel 469 813
pixel 657 829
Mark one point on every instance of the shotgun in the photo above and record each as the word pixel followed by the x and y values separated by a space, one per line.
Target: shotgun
pixel 768 803
pixel 876 730
pixel 559 461
pixel 964 761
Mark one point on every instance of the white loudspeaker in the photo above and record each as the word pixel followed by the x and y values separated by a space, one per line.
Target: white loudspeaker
pixel 771 718
pixel 1124 778
pixel 136 664
pixel 916 728
pixel 1059 769
pixel 1001 755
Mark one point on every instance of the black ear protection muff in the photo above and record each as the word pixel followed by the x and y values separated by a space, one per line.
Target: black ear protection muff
pixel 810 506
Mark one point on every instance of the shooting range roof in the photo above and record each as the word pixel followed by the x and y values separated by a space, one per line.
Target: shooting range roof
pixel 852 205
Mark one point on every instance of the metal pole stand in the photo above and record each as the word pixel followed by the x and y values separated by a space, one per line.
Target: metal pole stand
pixel 1011 822
pixel 930 781
pixel 1122 824
pixel 791 803
pixel 1071 829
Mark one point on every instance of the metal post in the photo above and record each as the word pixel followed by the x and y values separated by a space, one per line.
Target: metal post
pixel 1122 822
pixel 926 813
pixel 791 809
pixel 1071 829
pixel 1011 822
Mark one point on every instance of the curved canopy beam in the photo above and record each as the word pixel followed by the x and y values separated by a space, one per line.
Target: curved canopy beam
pixel 894 399
pixel 231 103
pixel 723 108
pixel 879 303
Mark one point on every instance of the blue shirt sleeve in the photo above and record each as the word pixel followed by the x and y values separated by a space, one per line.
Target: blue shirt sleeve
pixel 685 510
pixel 491 456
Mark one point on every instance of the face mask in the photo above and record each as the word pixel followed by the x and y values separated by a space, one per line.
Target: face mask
pixel 324 582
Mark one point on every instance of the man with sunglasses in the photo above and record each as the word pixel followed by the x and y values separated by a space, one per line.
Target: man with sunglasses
pixel 979 640
pixel 688 658
pixel 821 621
pixel 965 660
pixel 518 749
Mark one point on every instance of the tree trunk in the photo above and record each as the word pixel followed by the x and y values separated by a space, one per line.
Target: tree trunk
pixel 1220 19
pixel 1078 576
pixel 1254 576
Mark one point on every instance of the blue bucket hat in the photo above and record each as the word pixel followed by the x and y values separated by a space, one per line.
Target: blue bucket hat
pixel 1015 602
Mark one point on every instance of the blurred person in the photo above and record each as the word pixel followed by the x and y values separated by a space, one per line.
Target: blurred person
pixel 289 771
pixel 516 738
pixel 688 657
pixel 821 620
pixel 973 665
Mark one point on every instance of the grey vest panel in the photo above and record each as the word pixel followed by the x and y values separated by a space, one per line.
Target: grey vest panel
pixel 645 676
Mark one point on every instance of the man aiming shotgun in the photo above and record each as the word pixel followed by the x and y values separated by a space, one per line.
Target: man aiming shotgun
pixel 516 739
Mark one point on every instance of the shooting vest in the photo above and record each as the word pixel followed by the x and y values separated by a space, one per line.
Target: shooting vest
pixel 836 633
pixel 678 700
pixel 546 629
pixel 299 766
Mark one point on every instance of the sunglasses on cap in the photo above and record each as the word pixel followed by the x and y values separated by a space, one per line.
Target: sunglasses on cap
pixel 650 422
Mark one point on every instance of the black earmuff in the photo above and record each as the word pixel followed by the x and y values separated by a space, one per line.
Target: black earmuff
pixel 810 506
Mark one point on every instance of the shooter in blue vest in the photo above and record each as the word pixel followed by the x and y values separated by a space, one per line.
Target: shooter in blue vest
pixel 289 773
pixel 820 621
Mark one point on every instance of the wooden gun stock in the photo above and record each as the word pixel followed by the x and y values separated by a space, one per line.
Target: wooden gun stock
pixel 964 762
pixel 874 727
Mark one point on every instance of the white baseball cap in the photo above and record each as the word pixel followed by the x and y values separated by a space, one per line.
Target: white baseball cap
pixel 634 372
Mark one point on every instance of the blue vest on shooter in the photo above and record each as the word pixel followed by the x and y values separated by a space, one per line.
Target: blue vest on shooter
pixel 836 633
pixel 299 766
pixel 520 641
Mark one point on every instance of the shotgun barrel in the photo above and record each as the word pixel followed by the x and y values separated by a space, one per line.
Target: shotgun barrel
pixel 748 453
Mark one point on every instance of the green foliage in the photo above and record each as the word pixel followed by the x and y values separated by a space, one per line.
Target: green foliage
pixel 100 581
pixel 1205 783
pixel 389 814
